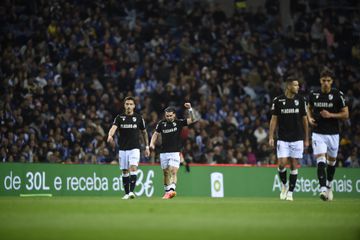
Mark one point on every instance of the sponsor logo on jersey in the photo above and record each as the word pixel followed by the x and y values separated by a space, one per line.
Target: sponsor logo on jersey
pixel 128 126
pixel 170 130
pixel 323 104
pixel 289 110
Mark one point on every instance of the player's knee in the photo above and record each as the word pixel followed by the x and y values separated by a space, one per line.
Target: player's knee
pixel 321 159
pixel 331 162
pixel 282 164
pixel 293 163
pixel 133 168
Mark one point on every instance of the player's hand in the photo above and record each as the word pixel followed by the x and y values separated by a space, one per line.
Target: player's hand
pixel 312 122
pixel 147 152
pixel 271 142
pixel 187 105
pixel 111 141
pixel 152 147
pixel 306 143
pixel 182 160
pixel 325 114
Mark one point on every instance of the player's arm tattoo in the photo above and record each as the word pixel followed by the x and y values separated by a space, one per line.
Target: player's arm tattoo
pixel 192 118
pixel 146 137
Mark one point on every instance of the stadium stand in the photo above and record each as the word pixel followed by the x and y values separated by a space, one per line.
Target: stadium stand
pixel 66 66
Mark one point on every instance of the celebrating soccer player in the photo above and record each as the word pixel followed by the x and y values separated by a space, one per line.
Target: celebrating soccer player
pixel 326 107
pixel 289 115
pixel 129 124
pixel 170 129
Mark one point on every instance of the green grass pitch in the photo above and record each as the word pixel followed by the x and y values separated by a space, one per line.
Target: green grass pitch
pixel 179 218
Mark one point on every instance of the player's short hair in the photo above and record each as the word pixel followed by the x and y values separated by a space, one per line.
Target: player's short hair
pixel 129 98
pixel 170 109
pixel 326 72
pixel 291 78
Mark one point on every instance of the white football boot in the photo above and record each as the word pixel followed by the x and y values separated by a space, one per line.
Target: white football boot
pixel 131 195
pixel 289 196
pixel 283 192
pixel 126 197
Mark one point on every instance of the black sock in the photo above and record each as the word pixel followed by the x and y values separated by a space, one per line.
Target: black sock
pixel 330 171
pixel 292 182
pixel 126 184
pixel 321 174
pixel 282 176
pixel 132 182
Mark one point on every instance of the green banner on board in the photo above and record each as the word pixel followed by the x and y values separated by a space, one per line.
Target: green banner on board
pixel 98 180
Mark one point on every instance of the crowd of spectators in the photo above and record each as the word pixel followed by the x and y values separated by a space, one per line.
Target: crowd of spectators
pixel 66 66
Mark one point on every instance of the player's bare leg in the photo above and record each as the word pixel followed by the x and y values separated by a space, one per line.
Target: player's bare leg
pixel 166 173
pixel 282 175
pixel 173 180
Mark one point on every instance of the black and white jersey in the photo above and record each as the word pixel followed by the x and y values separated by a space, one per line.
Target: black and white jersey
pixel 289 112
pixel 128 127
pixel 170 134
pixel 333 102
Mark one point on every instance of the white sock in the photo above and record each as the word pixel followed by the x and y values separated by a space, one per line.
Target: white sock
pixel 173 186
pixel 329 183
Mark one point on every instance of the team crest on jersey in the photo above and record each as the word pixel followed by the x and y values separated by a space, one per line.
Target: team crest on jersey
pixel 174 124
pixel 331 96
pixel 296 102
pixel 283 103
pixel 134 119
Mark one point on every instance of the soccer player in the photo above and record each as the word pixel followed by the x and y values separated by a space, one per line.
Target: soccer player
pixel 129 125
pixel 170 129
pixel 289 115
pixel 326 107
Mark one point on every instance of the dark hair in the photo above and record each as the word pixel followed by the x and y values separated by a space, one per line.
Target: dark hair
pixel 170 109
pixel 129 98
pixel 326 72
pixel 291 78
